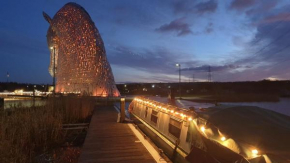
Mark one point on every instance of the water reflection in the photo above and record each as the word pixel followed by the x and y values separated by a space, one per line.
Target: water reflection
pixel 283 106
pixel 16 102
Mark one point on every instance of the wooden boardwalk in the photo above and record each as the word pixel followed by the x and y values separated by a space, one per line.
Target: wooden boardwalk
pixel 109 141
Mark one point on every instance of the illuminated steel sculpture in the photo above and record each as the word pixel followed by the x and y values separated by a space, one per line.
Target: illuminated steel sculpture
pixel 80 58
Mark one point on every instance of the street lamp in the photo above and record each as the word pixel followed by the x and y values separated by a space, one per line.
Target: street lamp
pixel 8 77
pixel 53 79
pixel 179 66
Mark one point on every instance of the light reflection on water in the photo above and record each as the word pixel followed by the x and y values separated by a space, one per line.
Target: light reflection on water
pixel 14 103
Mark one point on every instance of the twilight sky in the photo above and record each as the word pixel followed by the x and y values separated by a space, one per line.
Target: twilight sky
pixel 241 40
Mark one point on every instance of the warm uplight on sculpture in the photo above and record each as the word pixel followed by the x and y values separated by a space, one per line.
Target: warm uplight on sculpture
pixel 80 62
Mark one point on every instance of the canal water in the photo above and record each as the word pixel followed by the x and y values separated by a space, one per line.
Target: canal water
pixel 15 103
pixel 283 106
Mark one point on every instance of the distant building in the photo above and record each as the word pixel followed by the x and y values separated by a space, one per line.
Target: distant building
pixel 80 57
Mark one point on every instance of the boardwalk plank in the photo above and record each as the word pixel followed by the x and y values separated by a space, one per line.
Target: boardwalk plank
pixel 109 141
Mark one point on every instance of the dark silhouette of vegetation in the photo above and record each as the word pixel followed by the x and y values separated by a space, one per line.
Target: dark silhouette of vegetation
pixel 214 91
pixel 36 134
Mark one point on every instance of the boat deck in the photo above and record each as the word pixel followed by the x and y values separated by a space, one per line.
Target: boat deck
pixel 109 141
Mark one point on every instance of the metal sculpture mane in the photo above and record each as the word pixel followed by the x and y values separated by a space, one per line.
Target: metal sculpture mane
pixel 81 63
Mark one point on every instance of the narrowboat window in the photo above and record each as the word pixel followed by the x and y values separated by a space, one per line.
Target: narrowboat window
pixel 146 112
pixel 154 116
pixel 175 127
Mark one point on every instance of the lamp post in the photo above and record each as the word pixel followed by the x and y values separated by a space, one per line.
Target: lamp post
pixel 179 70
pixel 53 79
pixel 7 77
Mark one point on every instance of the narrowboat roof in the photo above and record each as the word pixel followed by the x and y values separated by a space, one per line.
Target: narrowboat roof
pixel 181 103
pixel 250 131
pixel 267 130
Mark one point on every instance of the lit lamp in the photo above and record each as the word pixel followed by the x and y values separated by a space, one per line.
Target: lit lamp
pixel 202 128
pixel 223 138
pixel 255 152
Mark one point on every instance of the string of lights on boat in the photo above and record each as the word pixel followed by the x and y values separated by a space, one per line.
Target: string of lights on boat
pixel 191 116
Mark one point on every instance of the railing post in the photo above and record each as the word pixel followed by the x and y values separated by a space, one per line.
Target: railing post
pixel 1 103
pixel 122 109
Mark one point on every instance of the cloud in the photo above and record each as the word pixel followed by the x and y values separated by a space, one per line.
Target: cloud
pixel 205 68
pixel 179 25
pixel 276 38
pixel 281 17
pixel 190 6
pixel 239 41
pixel 242 4
pixel 184 6
pixel 155 59
pixel 206 7
pixel 268 52
pixel 263 7
pixel 209 28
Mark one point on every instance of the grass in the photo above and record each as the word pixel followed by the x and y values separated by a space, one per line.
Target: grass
pixel 26 134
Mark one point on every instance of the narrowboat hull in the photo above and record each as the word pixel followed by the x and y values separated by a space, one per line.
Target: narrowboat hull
pixel 154 136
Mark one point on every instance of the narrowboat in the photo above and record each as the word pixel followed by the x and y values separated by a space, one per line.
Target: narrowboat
pixel 186 135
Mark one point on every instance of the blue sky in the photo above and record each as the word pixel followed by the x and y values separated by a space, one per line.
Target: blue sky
pixel 241 40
